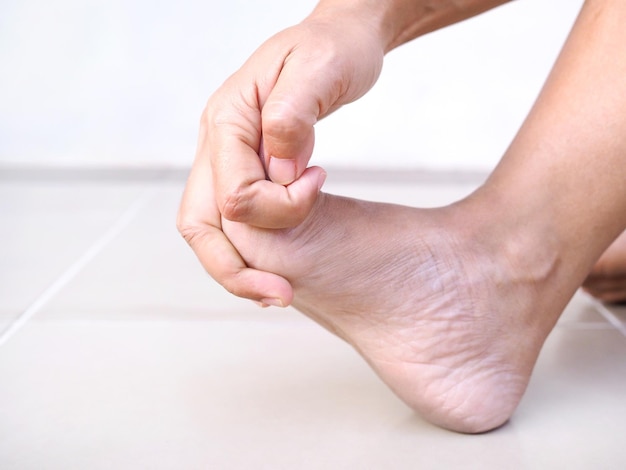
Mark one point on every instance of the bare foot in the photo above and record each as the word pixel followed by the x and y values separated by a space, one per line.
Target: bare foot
pixel 607 280
pixel 451 320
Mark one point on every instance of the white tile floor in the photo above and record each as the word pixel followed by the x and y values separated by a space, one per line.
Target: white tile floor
pixel 118 352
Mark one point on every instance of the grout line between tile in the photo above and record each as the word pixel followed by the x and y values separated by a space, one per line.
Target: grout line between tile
pixel 114 230
pixel 151 173
pixel 606 313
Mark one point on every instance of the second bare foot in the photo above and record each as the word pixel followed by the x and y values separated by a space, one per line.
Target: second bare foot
pixel 607 280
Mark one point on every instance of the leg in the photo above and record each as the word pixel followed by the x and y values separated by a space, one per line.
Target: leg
pixel 451 306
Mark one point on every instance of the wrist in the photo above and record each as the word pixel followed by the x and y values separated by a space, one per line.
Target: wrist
pixel 369 16
pixel 396 22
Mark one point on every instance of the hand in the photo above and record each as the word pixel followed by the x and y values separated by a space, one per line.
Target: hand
pixel 256 139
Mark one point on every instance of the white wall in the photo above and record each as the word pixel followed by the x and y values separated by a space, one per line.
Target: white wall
pixel 110 82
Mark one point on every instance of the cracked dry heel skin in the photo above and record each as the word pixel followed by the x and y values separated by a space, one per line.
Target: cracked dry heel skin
pixel 441 320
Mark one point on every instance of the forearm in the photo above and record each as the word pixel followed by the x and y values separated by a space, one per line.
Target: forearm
pixel 399 21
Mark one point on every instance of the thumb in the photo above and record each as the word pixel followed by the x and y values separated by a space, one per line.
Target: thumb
pixel 287 121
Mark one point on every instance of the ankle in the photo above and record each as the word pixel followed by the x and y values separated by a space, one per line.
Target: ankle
pixel 515 247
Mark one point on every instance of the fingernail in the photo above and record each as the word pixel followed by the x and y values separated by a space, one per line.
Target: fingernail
pixel 321 181
pixel 282 170
pixel 260 304
pixel 273 302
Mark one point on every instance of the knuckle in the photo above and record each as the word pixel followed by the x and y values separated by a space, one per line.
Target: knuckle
pixel 211 108
pixel 233 286
pixel 282 120
pixel 187 229
pixel 234 204
pixel 215 114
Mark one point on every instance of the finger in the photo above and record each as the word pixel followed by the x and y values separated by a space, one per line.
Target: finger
pixel 199 222
pixel 288 139
pixel 298 99
pixel 224 264
pixel 241 190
